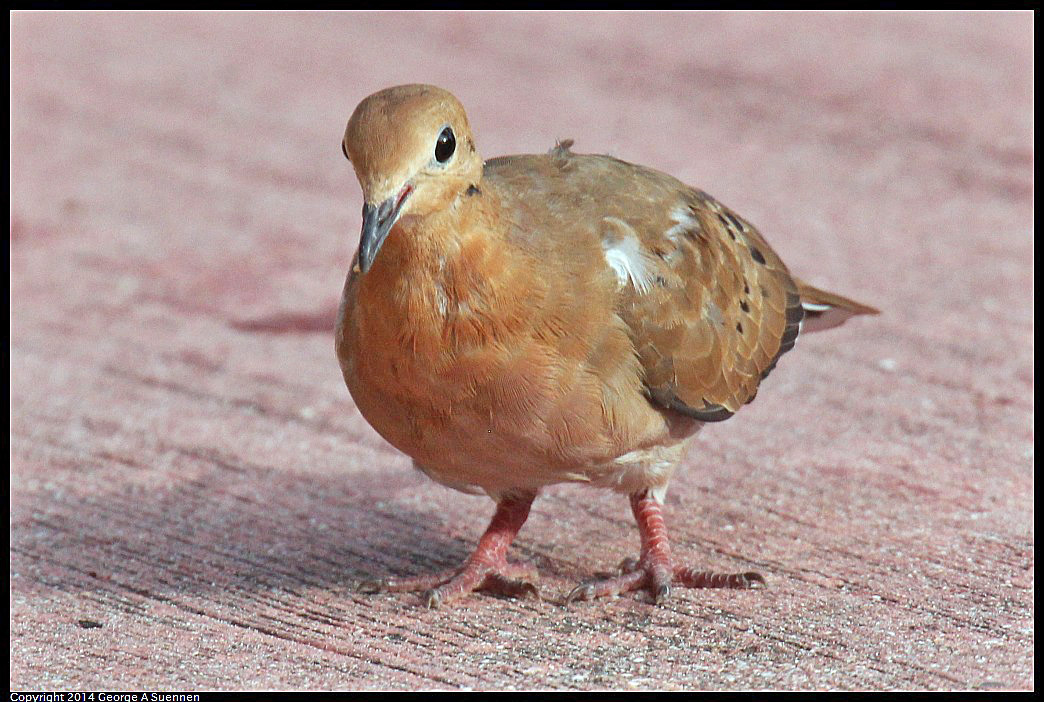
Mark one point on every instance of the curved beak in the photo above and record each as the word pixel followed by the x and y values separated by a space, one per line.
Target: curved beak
pixel 377 223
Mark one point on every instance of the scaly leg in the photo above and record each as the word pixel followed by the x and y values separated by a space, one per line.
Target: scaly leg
pixel 654 570
pixel 486 569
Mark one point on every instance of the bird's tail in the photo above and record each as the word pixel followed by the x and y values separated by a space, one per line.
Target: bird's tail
pixel 826 310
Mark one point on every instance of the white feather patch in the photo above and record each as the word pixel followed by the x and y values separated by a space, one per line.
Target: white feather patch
pixel 683 222
pixel 624 254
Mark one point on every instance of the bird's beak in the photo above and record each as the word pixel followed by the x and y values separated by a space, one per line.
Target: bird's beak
pixel 377 223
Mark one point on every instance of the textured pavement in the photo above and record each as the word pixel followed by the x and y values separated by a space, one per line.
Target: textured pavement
pixel 188 470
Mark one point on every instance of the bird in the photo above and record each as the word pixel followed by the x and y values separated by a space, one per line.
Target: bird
pixel 536 319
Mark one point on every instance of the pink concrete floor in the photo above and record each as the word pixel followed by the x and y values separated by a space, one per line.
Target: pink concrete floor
pixel 189 472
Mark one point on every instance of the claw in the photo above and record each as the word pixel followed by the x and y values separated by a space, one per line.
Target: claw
pixel 432 599
pixel 580 592
pixel 754 581
pixel 527 589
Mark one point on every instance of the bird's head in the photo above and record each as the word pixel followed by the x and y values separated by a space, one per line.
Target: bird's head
pixel 413 154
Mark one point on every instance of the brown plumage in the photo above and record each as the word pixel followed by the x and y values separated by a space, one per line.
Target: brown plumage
pixel 540 319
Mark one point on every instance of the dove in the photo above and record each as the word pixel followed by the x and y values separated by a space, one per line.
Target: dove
pixel 531 320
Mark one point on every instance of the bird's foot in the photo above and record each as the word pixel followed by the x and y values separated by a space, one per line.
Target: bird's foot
pixel 657 578
pixel 487 569
pixel 506 579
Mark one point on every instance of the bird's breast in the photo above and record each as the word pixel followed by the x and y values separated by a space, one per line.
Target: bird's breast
pixel 489 377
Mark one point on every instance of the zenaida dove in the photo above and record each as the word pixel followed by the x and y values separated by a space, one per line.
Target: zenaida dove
pixel 539 319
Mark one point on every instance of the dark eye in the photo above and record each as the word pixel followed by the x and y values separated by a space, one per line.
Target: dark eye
pixel 445 145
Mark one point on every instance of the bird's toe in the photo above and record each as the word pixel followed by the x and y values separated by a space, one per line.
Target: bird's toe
pixel 368 587
pixel 498 584
pixel 690 577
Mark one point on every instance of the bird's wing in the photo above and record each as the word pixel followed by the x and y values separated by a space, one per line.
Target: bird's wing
pixel 708 304
pixel 720 310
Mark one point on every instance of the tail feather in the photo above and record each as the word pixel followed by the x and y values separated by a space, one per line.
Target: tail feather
pixel 826 310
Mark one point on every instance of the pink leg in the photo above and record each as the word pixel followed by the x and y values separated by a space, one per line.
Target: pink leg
pixel 654 570
pixel 486 569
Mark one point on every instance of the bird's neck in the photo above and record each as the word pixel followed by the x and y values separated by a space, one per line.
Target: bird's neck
pixel 451 278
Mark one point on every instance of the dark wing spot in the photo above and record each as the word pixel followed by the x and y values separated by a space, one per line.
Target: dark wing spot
pixel 473 190
pixel 728 228
pixel 756 255
pixel 735 222
pixel 744 306
pixel 739 327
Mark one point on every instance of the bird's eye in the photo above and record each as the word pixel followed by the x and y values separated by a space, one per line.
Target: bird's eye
pixel 445 145
pixel 344 150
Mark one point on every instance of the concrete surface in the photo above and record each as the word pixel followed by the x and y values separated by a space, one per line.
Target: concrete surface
pixel 189 472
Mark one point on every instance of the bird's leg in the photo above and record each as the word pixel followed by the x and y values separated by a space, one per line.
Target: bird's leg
pixel 486 569
pixel 654 570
